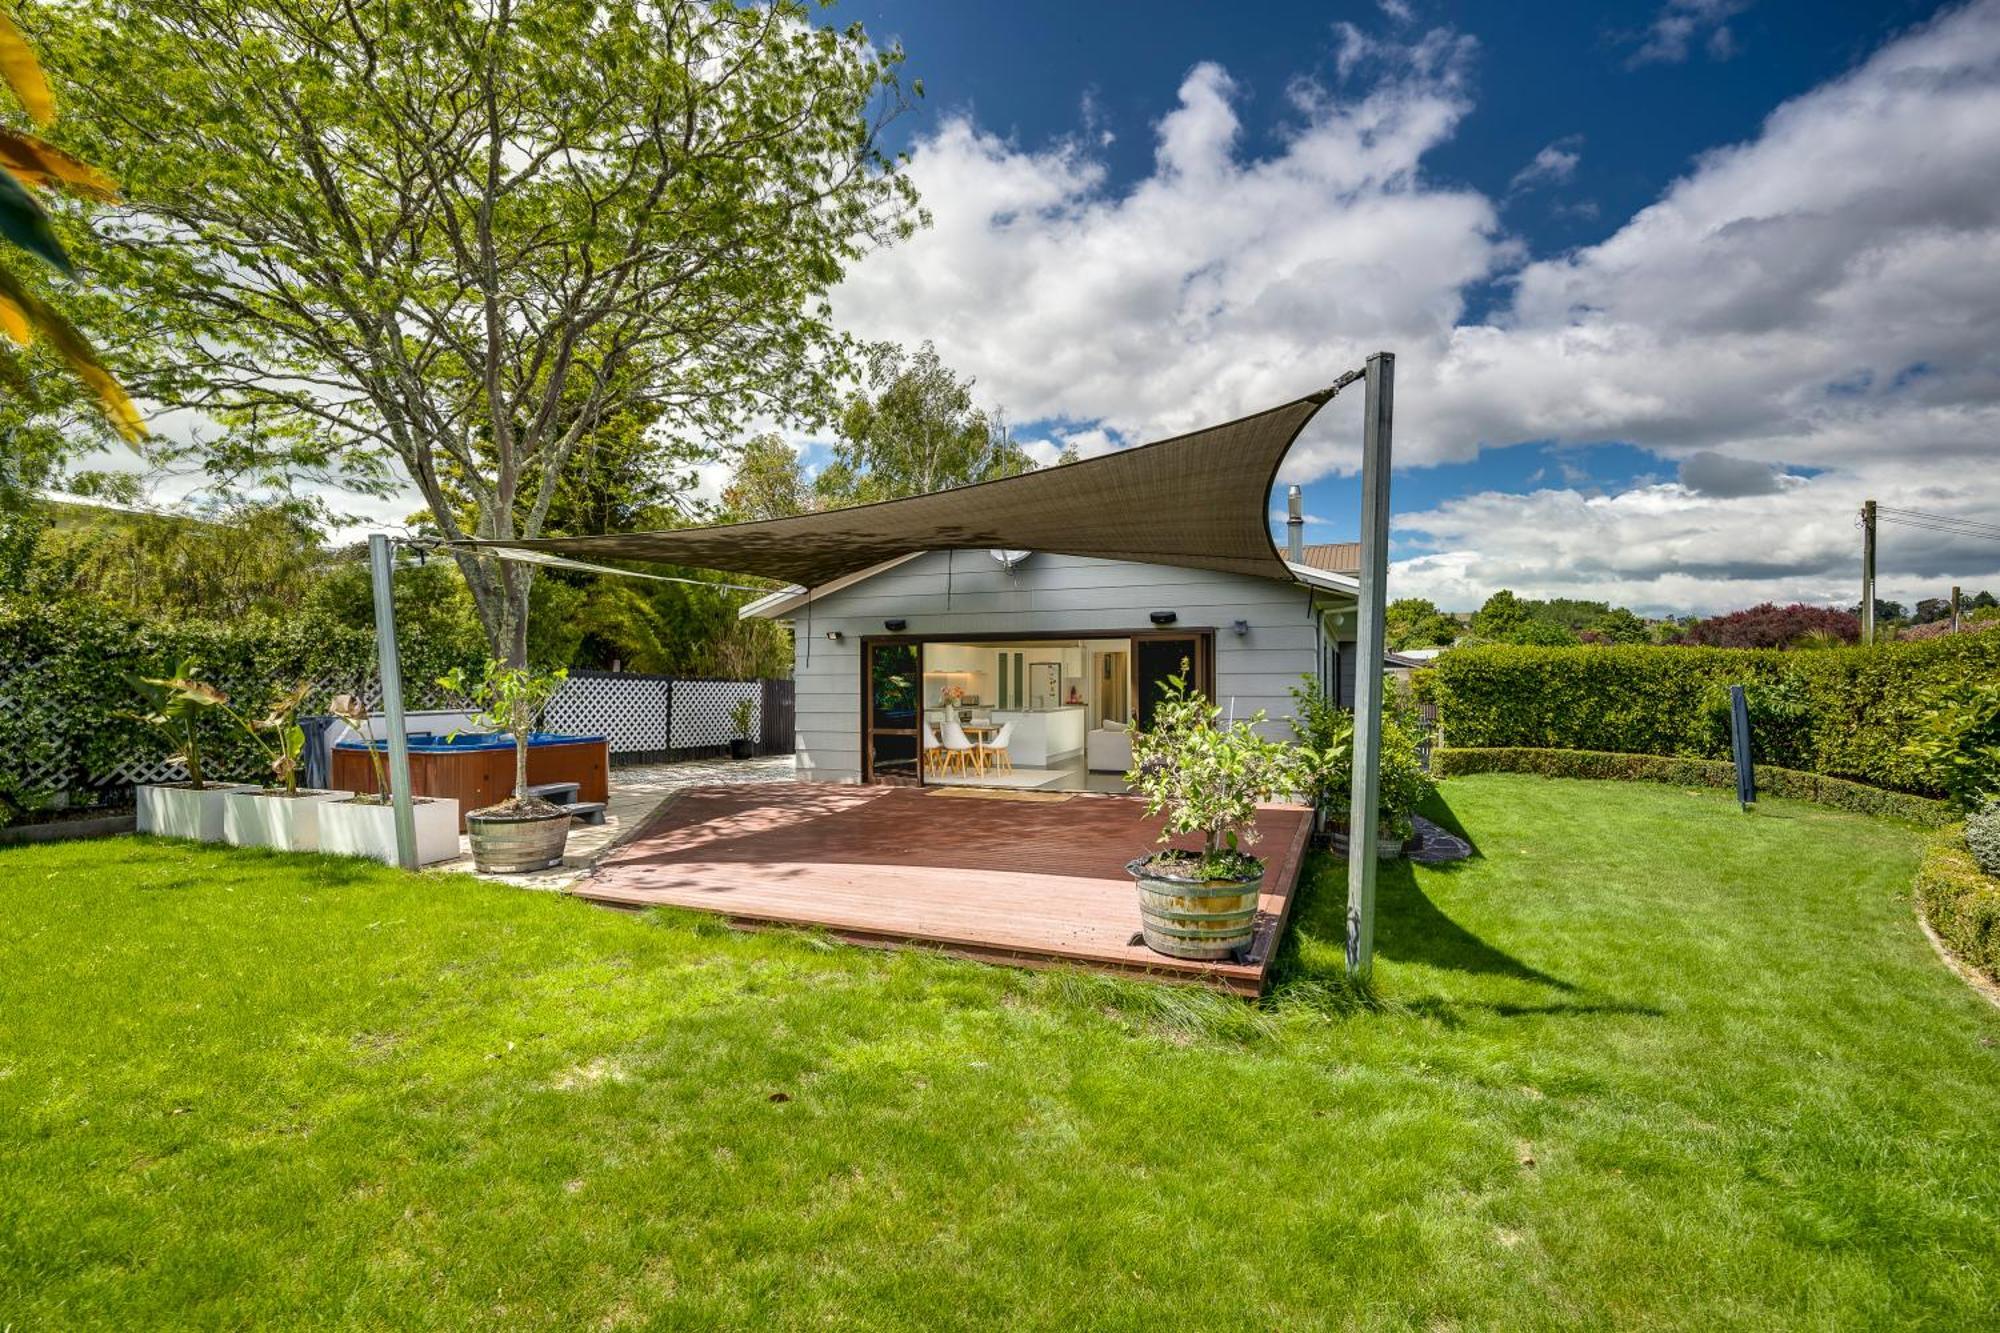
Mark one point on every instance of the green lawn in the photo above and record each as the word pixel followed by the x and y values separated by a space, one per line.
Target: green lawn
pixel 1645 1061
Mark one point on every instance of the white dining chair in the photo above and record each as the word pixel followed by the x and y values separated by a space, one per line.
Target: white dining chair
pixel 995 750
pixel 959 751
pixel 934 751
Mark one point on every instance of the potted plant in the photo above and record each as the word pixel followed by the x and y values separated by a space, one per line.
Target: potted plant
pixel 365 824
pixel 283 815
pixel 1206 777
pixel 1325 729
pixel 176 706
pixel 524 832
pixel 740 745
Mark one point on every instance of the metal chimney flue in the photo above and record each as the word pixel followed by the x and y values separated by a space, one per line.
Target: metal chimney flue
pixel 1295 526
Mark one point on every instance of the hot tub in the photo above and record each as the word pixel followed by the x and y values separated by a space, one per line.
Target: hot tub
pixel 476 769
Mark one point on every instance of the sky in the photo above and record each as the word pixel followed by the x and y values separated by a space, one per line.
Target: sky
pixel 1673 287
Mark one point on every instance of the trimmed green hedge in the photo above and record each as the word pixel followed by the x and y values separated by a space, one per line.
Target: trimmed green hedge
pixel 1961 903
pixel 1691 772
pixel 1845 712
pixel 63 691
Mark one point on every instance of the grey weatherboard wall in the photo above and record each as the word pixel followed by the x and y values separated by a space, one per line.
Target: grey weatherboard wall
pixel 942 593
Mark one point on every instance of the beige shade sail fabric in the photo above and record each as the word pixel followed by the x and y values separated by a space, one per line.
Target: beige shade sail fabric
pixel 1199 501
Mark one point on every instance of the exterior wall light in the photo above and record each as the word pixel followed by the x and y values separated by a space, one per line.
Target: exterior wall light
pixel 1165 617
pixel 1242 627
pixel 895 626
pixel 835 635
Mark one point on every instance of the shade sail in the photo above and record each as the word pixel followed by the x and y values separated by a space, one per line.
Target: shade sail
pixel 1198 500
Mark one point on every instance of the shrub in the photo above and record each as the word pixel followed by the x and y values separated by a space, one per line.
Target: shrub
pixel 1691 772
pixel 1982 837
pixel 1844 712
pixel 1773 626
pixel 1961 903
pixel 1958 740
pixel 64 668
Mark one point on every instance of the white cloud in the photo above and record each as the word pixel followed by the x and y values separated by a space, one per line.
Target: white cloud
pixel 1553 165
pixel 1821 296
pixel 1677 25
pixel 1220 284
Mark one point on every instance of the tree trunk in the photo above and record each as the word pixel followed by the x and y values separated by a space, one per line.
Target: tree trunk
pixel 520 768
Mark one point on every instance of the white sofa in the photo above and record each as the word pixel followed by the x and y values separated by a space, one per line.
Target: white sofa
pixel 1108 749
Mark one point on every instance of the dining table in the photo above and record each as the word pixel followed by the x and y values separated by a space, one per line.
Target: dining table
pixel 979 733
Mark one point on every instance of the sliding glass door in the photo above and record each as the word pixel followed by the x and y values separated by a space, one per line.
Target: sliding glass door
pixel 1155 657
pixel 892 689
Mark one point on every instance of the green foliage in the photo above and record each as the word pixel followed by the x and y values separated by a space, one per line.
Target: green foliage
pixel 1961 900
pixel 67 665
pixel 428 257
pixel 917 432
pixel 1416 622
pixel 739 717
pixel 1847 712
pixel 1772 780
pixel 1982 837
pixel 1326 730
pixel 176 706
pixel 1958 739
pixel 510 699
pixel 1404 785
pixel 280 734
pixel 1207 777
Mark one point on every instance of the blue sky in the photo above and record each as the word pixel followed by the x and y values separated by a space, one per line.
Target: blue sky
pixel 1526 145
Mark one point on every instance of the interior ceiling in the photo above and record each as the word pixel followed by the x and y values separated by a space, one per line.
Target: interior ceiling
pixel 1200 501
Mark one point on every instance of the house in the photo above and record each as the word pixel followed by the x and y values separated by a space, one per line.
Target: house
pixel 1065 652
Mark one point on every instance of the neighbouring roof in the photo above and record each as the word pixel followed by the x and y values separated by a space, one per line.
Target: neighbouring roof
pixel 1199 501
pixel 1334 557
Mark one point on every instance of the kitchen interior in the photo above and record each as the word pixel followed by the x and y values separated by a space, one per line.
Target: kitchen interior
pixel 1068 704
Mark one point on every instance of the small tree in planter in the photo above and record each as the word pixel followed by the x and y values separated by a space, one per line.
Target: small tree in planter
pixel 365 824
pixel 1206 777
pixel 178 706
pixel 524 832
pixel 283 815
pixel 739 718
pixel 1326 730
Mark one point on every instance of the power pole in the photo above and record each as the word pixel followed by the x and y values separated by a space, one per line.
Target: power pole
pixel 1377 414
pixel 1954 609
pixel 1867 571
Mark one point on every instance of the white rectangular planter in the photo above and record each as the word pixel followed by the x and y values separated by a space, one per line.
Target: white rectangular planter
pixel 350 829
pixel 173 811
pixel 253 817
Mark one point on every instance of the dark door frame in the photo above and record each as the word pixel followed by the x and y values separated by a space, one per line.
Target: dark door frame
pixel 1204 673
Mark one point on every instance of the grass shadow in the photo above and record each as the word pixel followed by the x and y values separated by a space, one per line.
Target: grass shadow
pixel 1411 928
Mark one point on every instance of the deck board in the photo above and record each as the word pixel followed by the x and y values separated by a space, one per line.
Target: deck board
pixel 1036 884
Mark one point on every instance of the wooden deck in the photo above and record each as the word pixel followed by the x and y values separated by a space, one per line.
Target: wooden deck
pixel 1034 883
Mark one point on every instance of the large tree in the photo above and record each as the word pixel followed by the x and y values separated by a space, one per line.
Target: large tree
pixel 444 241
pixel 914 429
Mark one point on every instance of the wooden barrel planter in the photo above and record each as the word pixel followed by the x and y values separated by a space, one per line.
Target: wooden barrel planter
pixel 512 844
pixel 1207 920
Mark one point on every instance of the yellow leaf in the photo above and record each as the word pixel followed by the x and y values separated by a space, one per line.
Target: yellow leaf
pixel 76 350
pixel 41 163
pixel 14 322
pixel 23 73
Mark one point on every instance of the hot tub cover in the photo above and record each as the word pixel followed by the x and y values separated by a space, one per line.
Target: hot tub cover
pixel 1199 501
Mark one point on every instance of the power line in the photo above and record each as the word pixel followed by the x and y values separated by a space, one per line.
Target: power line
pixel 1920 518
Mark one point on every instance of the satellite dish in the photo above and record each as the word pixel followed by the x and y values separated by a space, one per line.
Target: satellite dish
pixel 1009 559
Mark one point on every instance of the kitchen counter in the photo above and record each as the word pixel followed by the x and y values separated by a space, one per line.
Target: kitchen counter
pixel 1042 735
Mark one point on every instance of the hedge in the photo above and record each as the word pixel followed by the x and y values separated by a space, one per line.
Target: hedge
pixel 1961 903
pixel 1691 772
pixel 64 697
pixel 1843 712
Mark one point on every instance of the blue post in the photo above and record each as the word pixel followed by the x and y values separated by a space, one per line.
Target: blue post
pixel 1739 736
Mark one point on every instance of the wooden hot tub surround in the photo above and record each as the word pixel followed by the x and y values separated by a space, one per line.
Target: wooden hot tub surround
pixel 477 776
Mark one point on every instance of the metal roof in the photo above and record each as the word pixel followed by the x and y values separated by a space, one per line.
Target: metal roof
pixel 1198 500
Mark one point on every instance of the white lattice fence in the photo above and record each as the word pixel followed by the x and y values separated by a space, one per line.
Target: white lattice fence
pixel 632 712
pixel 701 711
